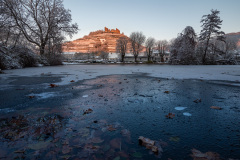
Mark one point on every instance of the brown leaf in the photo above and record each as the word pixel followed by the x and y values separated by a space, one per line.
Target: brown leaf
pixel 170 115
pixel 91 147
pixel 198 155
pixel 19 151
pixel 167 92
pixel 215 107
pixel 150 144
pixel 111 128
pixel 72 81
pixel 88 111
pixel 53 85
pixel 197 100
pixel 145 141
pixel 31 97
pixel 100 95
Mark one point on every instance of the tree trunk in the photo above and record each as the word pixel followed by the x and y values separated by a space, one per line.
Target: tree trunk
pixel 162 59
pixel 135 58
pixel 123 58
pixel 42 49
pixel 205 52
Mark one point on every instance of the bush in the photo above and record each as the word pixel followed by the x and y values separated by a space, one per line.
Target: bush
pixel 55 59
pixel 18 57
pixel 26 57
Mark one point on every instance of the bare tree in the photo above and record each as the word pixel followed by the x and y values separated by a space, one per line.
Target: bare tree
pixel 104 55
pixel 40 20
pixel 150 42
pixel 161 47
pixel 121 46
pixel 137 40
pixel 9 34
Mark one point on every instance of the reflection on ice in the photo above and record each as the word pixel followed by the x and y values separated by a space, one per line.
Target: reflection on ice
pixel 44 95
pixel 6 110
pixel 180 108
pixel 187 114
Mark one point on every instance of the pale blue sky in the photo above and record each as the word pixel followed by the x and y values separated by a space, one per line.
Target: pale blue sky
pixel 161 19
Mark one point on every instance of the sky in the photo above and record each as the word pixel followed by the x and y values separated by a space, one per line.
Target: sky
pixel 160 19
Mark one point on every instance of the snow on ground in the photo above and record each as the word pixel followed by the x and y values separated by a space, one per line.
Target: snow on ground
pixel 81 72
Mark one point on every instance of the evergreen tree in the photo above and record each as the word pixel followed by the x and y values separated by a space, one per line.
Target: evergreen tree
pixel 210 28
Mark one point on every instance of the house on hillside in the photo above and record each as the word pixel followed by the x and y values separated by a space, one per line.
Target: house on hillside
pixel 156 56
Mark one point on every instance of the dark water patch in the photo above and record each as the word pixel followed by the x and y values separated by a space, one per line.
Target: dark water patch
pixel 33 80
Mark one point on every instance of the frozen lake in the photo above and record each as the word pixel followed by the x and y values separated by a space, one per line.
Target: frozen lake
pixel 99 112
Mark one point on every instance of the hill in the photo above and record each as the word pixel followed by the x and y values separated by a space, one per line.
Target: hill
pixel 234 36
pixel 101 40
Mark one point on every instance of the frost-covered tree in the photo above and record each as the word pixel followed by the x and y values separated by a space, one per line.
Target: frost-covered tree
pixel 183 47
pixel 137 40
pixel 41 22
pixel 161 47
pixel 149 44
pixel 211 25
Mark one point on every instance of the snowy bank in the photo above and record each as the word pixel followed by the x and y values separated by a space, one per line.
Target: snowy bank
pixel 229 73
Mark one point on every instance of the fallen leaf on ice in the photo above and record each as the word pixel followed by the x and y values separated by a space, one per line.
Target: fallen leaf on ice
pixel 88 111
pixel 111 128
pixel 215 107
pixel 150 144
pixel 19 151
pixel 198 155
pixel 91 147
pixel 167 92
pixel 31 97
pixel 72 81
pixel 170 115
pixel 53 85
pixel 197 100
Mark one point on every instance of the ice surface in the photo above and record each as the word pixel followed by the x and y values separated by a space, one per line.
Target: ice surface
pixel 85 96
pixel 81 72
